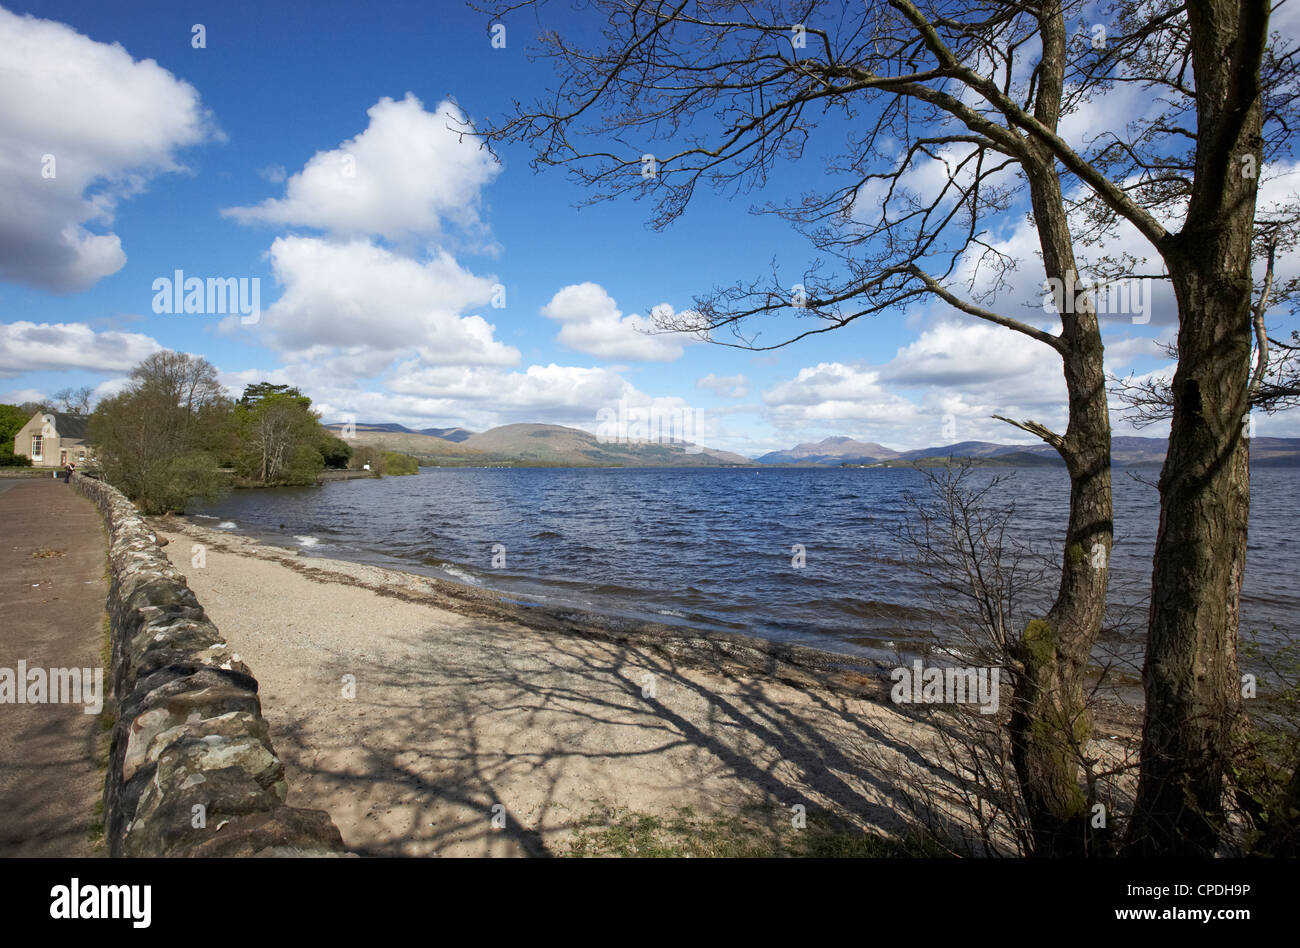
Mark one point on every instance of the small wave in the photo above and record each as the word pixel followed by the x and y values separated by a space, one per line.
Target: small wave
pixel 463 576
pixel 546 535
pixel 204 517
pixel 671 612
pixel 226 525
pixel 308 541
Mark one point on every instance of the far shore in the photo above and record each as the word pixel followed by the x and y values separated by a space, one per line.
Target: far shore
pixel 415 710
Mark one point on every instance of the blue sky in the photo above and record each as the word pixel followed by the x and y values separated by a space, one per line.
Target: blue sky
pixel 377 287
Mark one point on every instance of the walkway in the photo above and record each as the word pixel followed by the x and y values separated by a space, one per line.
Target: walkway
pixel 51 616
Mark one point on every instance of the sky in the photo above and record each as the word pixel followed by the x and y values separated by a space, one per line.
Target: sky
pixel 309 153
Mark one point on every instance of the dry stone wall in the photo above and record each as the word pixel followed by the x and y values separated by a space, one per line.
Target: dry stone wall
pixel 192 771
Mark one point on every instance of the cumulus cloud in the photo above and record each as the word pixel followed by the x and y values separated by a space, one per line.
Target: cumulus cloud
pixel 724 386
pixel 403 177
pixel 36 347
pixel 83 125
pixel 592 323
pixel 16 396
pixel 833 391
pixel 540 392
pixel 476 397
pixel 366 305
pixel 972 353
pixel 943 387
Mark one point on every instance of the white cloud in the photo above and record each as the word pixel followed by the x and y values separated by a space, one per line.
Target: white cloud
pixel 540 392
pixel 108 388
pixel 109 124
pixel 404 177
pixel 957 376
pixel 16 396
pixel 36 347
pixel 973 353
pixel 832 391
pixel 725 386
pixel 475 397
pixel 365 306
pixel 592 323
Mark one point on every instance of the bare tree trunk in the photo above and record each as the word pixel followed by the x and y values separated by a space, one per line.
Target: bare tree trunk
pixel 1050 723
pixel 1190 676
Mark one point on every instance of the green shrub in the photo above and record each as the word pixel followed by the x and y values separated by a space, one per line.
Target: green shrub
pixel 394 463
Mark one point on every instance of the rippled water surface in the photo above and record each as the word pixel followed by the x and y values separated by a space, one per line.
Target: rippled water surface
pixel 713 548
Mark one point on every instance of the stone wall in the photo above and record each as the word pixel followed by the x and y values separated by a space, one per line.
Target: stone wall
pixel 192 771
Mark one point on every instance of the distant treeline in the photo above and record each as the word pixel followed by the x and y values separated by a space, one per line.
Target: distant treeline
pixel 173 435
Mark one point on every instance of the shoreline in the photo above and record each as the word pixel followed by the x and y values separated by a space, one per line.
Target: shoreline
pixel 719 649
pixel 468 705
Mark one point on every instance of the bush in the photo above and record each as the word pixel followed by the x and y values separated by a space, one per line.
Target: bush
pixel 394 463
pixel 12 418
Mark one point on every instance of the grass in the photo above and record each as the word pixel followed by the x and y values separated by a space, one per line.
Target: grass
pixel 751 833
pixel 45 554
pixel 96 830
pixel 103 740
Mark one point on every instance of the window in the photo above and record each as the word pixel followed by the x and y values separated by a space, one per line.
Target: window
pixel 37 441
pixel 81 456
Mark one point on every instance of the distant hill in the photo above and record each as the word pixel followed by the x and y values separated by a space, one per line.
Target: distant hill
pixel 430 449
pixel 831 451
pixel 1126 451
pixel 560 446
pixel 532 445
pixel 447 434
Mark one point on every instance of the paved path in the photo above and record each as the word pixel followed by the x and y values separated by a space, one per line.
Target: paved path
pixel 51 616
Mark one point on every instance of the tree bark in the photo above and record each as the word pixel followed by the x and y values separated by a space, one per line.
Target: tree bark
pixel 1050 723
pixel 1190 674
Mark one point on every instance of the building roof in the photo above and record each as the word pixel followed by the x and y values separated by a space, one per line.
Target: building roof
pixel 70 426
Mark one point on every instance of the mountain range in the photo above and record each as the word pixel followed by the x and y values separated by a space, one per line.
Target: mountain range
pixel 1126 451
pixel 560 446
pixel 533 445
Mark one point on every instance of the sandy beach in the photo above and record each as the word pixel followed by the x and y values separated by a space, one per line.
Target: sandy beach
pixel 416 712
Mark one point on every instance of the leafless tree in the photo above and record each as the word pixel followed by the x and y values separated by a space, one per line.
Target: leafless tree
pixel 75 400
pixel 974 90
pixel 154 439
pixel 1275 377
pixel 959 533
pixel 726 90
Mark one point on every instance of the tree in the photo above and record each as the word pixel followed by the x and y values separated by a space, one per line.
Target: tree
pixel 31 408
pixel 12 418
pixel 335 452
pixel 280 435
pixel 733 88
pixel 258 391
pixel 1231 98
pixel 1214 66
pixel 1275 378
pixel 155 439
pixel 367 454
pixel 75 400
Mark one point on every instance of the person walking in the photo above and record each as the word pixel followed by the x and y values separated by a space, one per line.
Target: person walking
pixel 67 473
